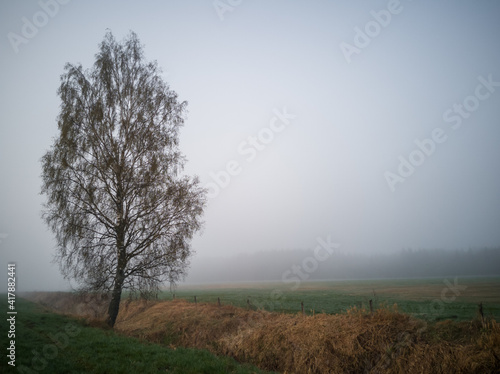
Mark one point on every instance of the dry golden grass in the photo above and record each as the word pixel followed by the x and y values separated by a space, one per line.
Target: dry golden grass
pixel 353 342
pixel 90 306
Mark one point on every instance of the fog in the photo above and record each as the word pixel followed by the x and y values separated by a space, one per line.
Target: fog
pixel 372 123
pixel 293 267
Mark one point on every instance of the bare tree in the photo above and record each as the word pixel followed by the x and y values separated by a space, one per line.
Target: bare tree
pixel 122 213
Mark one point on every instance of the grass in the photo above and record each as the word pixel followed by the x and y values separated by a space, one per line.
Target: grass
pixel 52 343
pixel 353 342
pixel 428 299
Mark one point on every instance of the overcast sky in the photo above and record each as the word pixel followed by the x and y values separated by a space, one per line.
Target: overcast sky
pixel 374 122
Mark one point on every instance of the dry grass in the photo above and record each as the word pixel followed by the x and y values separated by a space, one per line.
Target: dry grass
pixel 182 323
pixel 90 306
pixel 385 342
pixel 353 342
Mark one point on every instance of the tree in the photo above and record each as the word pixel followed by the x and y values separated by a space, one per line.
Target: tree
pixel 122 213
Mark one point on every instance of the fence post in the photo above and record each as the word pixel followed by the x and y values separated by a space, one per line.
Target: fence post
pixel 218 301
pixel 302 307
pixel 371 307
pixel 248 303
pixel 195 300
pixel 481 313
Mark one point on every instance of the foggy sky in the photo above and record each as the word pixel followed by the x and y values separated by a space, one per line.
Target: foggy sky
pixel 317 120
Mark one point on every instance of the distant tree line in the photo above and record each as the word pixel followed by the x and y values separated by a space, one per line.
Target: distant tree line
pixel 408 263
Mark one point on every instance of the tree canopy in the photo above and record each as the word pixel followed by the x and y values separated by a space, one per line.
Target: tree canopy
pixel 122 212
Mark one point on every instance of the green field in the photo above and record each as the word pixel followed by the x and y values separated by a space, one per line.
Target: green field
pixel 429 299
pixel 51 343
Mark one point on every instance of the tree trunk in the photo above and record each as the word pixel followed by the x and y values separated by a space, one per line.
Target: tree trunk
pixel 114 304
pixel 121 263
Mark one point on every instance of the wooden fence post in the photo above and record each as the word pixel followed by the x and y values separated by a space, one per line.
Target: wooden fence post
pixel 195 300
pixel 371 306
pixel 481 313
pixel 218 301
pixel 248 303
pixel 302 307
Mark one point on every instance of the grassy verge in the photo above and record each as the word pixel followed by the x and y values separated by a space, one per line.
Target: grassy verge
pixel 385 341
pixel 354 342
pixel 51 343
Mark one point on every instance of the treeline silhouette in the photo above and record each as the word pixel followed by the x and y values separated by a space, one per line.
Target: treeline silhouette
pixel 278 265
